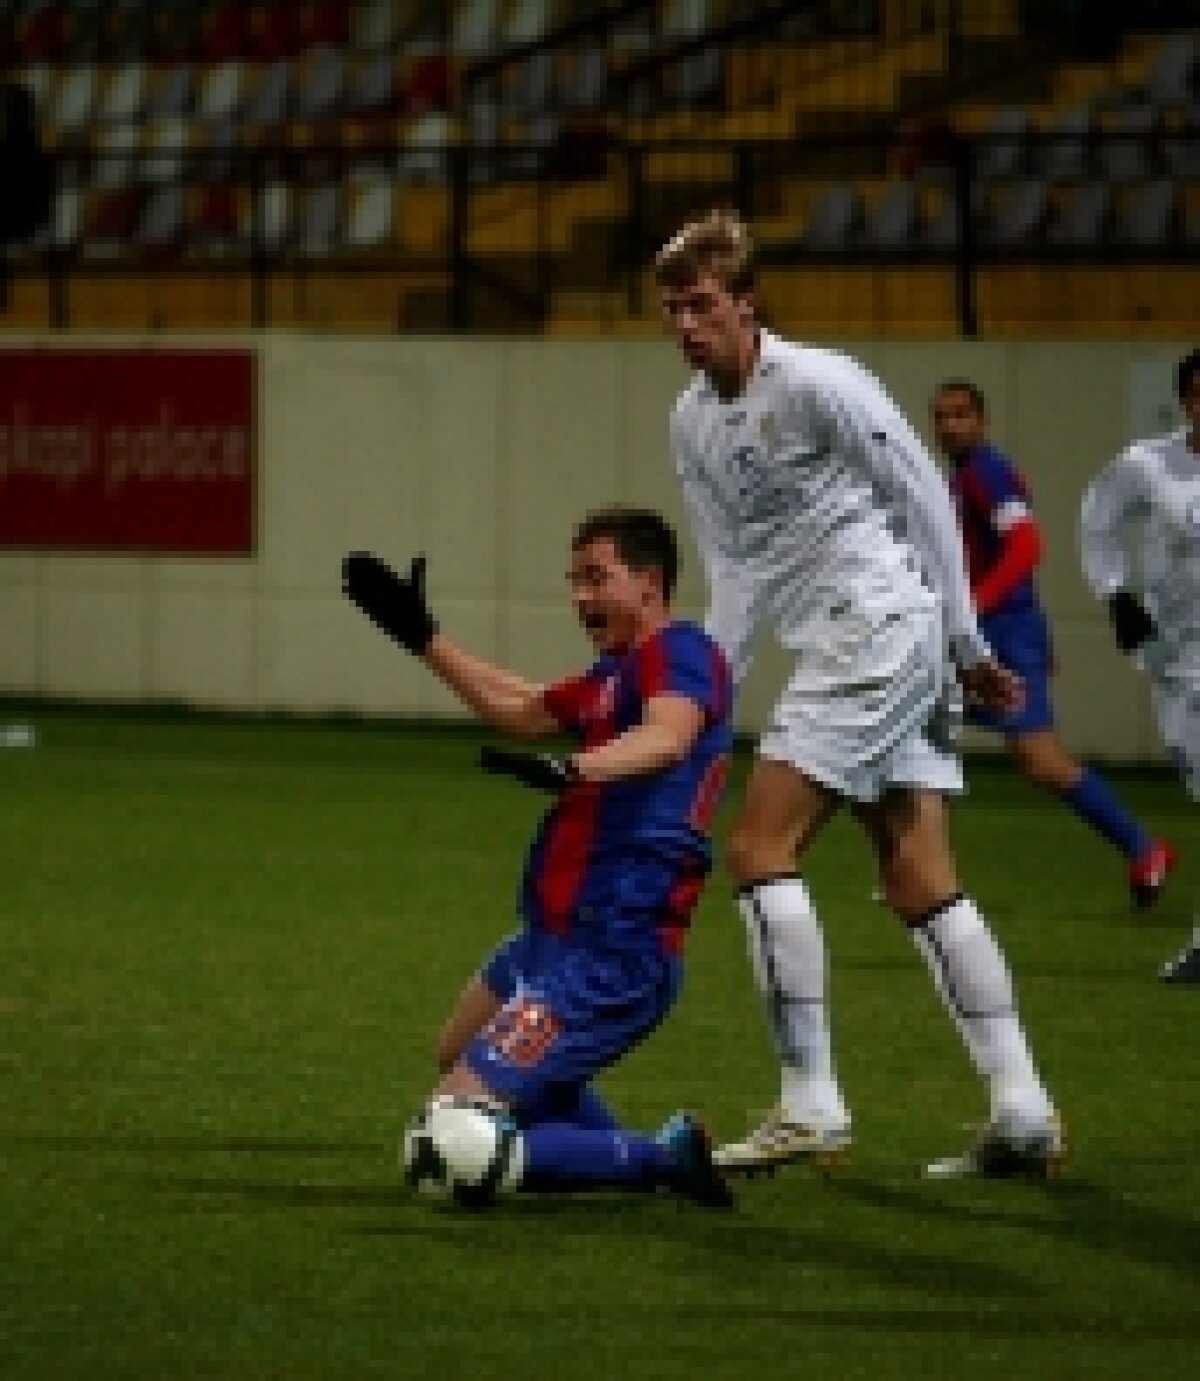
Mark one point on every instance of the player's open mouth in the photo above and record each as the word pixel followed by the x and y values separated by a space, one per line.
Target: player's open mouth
pixel 594 621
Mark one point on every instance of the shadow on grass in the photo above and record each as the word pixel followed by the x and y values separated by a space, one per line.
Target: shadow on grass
pixel 1075 1211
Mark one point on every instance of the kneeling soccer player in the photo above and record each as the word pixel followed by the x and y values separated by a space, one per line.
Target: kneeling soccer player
pixel 615 867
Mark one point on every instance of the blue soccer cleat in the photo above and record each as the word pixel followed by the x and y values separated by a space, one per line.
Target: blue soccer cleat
pixel 692 1171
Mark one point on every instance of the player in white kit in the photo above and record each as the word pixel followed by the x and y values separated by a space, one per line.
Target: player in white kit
pixel 817 509
pixel 1140 541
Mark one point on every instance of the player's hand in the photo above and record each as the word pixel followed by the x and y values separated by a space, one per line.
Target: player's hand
pixel 544 771
pixel 392 602
pixel 989 686
pixel 1132 624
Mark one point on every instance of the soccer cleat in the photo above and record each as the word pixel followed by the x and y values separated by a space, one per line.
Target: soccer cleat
pixel 776 1141
pixel 1185 967
pixel 997 1154
pixel 1148 873
pixel 693 1172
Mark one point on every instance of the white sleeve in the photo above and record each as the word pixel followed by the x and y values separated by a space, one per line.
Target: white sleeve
pixel 903 469
pixel 732 615
pixel 1114 499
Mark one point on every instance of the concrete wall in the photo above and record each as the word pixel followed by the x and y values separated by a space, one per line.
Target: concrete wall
pixel 481 453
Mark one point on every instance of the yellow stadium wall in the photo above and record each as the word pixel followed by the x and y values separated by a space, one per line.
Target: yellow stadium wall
pixel 481 452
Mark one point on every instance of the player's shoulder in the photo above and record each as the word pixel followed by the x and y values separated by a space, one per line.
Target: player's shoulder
pixel 992 462
pixel 696 394
pixel 1148 454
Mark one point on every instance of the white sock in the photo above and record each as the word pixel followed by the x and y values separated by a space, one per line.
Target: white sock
pixel 787 954
pixel 973 979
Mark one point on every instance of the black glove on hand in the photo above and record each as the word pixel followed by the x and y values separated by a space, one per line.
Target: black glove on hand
pixel 1132 625
pixel 541 770
pixel 394 603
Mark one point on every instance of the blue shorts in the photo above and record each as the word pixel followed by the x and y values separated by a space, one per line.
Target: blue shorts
pixel 1022 643
pixel 569 1010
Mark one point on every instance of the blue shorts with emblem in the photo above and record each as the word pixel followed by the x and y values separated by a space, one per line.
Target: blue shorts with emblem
pixel 569 1010
pixel 1021 641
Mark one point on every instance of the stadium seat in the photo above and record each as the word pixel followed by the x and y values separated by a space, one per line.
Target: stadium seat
pixel 216 225
pixel 1171 78
pixel 473 30
pixel 374 27
pixel 222 92
pixel 423 157
pixel 320 88
pixel 1018 213
pixel 894 221
pixel 114 155
pixel 268 103
pixel 40 32
pixel 584 82
pixel 223 35
pixel 163 156
pixel 316 231
pixel 159 232
pixel 1148 215
pixel 74 101
pixel 66 219
pixel 267 218
pixel 1126 154
pixel 125 95
pixel 1181 144
pixel 1003 153
pixel 1067 148
pixel 372 87
pixel 1081 218
pixel 174 93
pixel 371 213
pixel 526 22
pixel 835 218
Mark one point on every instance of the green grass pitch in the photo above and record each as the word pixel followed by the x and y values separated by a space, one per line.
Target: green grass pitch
pixel 227 947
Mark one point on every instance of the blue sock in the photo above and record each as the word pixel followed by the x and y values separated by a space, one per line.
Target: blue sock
pixel 1092 799
pixel 562 1155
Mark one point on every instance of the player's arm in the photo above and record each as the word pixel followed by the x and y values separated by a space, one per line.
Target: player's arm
pixel 901 466
pixel 731 616
pixel 1020 538
pixel 397 604
pixel 669 726
pixel 1111 503
pixel 501 697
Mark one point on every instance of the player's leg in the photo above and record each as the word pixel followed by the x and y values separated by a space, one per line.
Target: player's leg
pixel 540 1050
pixel 1177 706
pixel 477 1004
pixel 781 813
pixel 1022 642
pixel 908 828
pixel 1042 759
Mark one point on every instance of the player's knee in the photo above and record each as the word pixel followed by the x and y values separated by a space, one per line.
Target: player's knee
pixel 750 856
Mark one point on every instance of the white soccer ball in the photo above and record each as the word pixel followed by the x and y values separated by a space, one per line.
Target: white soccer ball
pixel 463 1149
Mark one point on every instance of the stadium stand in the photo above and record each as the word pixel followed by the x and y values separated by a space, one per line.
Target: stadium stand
pixel 524 156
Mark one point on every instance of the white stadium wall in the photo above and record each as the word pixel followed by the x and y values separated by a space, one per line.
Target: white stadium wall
pixel 481 453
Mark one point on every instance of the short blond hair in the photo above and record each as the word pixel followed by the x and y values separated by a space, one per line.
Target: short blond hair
pixel 718 243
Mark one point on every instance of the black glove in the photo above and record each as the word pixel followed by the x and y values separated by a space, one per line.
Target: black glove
pixel 541 770
pixel 394 603
pixel 1132 625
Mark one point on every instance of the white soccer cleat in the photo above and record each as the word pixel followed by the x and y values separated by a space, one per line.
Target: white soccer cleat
pixel 1185 967
pixel 1001 1153
pixel 777 1141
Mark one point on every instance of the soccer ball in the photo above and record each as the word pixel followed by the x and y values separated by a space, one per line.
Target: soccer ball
pixel 463 1149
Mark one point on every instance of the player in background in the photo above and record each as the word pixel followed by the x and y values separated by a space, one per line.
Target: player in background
pixel 1140 541
pixel 816 508
pixel 1004 547
pixel 616 866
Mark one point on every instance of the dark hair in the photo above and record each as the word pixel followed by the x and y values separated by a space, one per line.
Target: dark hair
pixel 972 390
pixel 1185 371
pixel 644 540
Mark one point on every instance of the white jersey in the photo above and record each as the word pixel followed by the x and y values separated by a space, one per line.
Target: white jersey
pixel 814 500
pixel 1140 529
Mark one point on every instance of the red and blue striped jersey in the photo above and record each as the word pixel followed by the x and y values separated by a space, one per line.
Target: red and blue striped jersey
pixel 992 498
pixel 626 860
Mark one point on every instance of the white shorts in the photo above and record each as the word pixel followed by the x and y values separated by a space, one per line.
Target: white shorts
pixel 871 704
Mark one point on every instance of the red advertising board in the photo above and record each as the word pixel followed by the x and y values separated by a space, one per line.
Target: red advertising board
pixel 150 450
